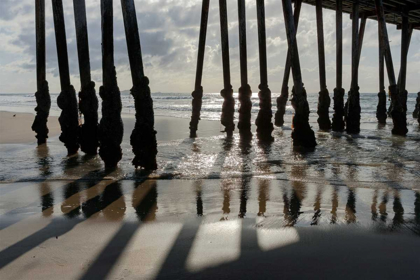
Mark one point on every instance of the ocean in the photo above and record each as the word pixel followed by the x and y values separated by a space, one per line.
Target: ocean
pixel 178 105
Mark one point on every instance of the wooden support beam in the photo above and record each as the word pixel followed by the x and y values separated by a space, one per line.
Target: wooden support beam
pixel 302 134
pixel 198 89
pixel 381 112
pixel 282 99
pixel 361 36
pixel 143 137
pixel 324 100
pixel 321 47
pixel 133 41
pixel 66 101
pixel 263 121
pixel 40 43
pixel 355 46
pixel 224 33
pixel 228 109
pixel 82 41
pixel 353 103
pixel 61 42
pixel 245 93
pixel 397 112
pixel 111 126
pixel 402 80
pixel 338 121
pixel 339 44
pixel 42 96
pixel 410 33
pixel 262 43
pixel 88 102
pixel 108 66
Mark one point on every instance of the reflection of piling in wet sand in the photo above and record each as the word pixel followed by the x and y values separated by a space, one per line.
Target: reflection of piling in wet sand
pixel 382 207
pixel 144 200
pixel 297 196
pixel 373 207
pixel 350 216
pixel 398 219
pixel 199 200
pixel 334 203
pixel 317 207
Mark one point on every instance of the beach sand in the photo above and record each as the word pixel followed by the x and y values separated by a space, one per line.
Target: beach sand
pixel 16 127
pixel 216 208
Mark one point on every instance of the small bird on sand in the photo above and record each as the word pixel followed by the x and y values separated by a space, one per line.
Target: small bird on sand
pixel 14 115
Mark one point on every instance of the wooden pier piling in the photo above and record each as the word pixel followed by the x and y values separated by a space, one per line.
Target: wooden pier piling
pixel 111 127
pixel 398 114
pixel 245 92
pixel 338 117
pixel 324 99
pixel 263 121
pixel 66 101
pixel 302 134
pixel 143 137
pixel 352 116
pixel 381 111
pixel 42 96
pixel 282 99
pixel 228 109
pixel 197 94
pixel 88 102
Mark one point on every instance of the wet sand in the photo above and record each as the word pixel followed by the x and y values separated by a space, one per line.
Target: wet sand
pixel 207 229
pixel 16 127
pixel 217 208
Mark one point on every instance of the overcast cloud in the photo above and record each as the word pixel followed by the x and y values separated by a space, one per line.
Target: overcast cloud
pixel 169 36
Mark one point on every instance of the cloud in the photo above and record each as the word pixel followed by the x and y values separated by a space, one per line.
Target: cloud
pixel 169 36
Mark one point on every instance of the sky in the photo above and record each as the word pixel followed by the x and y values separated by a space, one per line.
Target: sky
pixel 169 31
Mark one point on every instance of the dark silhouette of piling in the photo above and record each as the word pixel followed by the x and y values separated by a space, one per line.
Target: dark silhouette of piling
pixel 405 43
pixel 324 99
pixel 245 92
pixel 263 121
pixel 398 114
pixel 111 127
pixel 284 95
pixel 143 138
pixel 197 94
pixel 381 112
pixel 67 100
pixel 88 102
pixel 42 96
pixel 416 113
pixel 228 108
pixel 302 134
pixel 338 117
pixel 352 108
